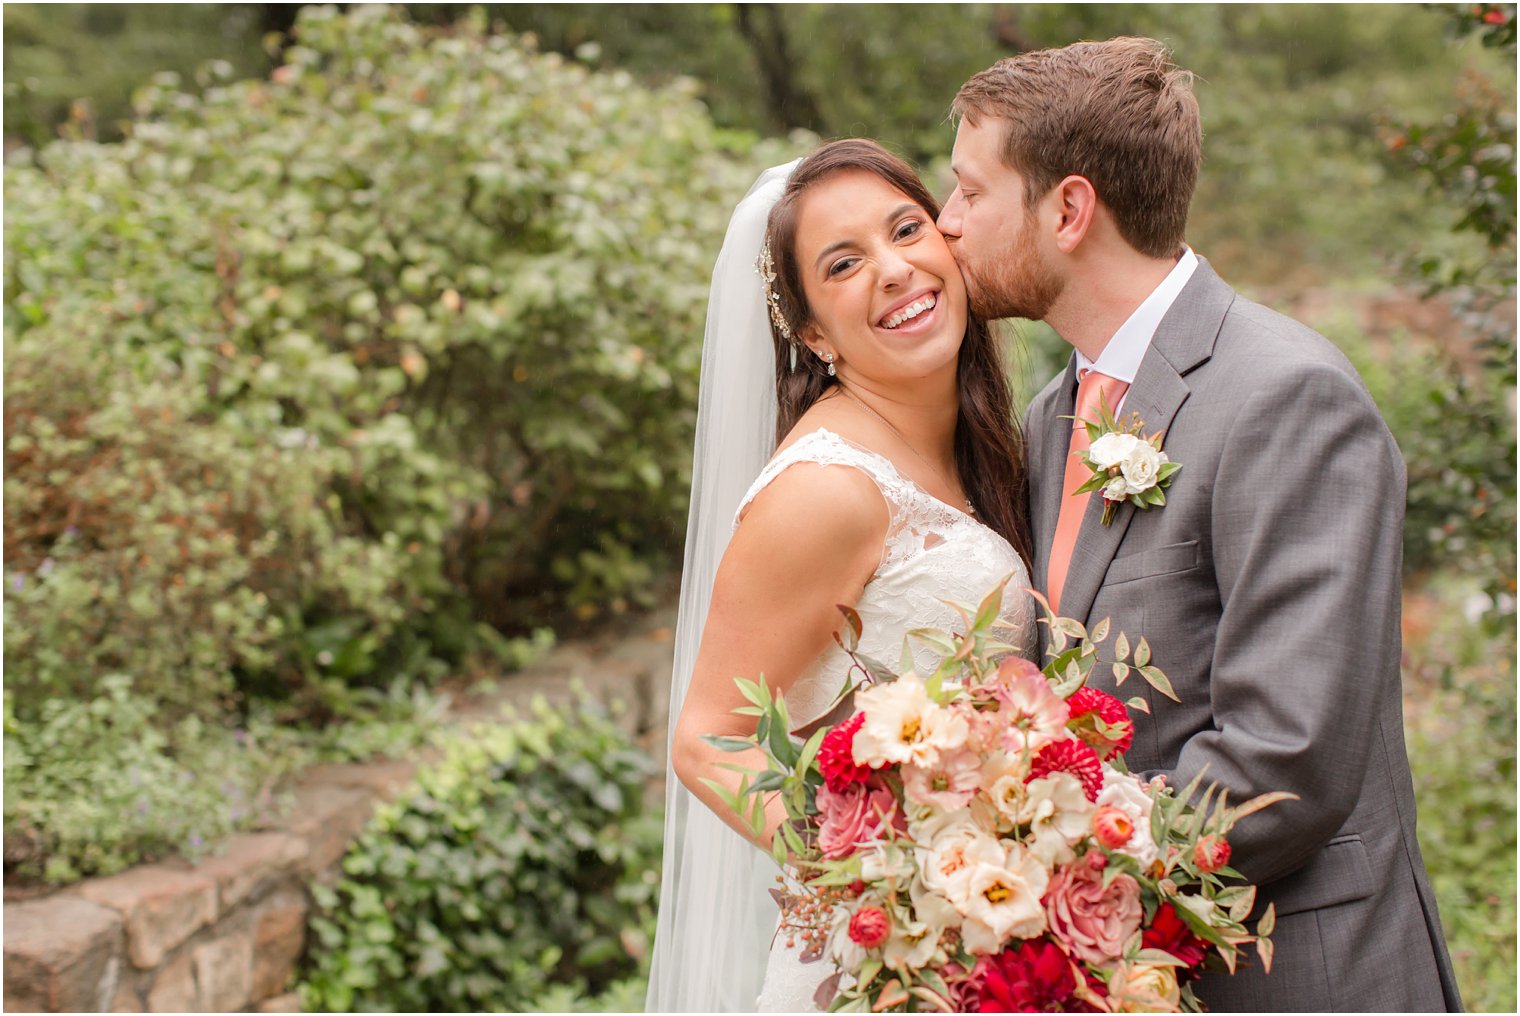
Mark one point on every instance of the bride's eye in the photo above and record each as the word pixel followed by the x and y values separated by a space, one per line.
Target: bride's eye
pixel 841 266
pixel 908 228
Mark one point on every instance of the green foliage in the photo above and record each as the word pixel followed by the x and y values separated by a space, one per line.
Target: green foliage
pixel 76 64
pixel 92 787
pixel 1460 683
pixel 307 377
pixel 523 863
pixel 1457 427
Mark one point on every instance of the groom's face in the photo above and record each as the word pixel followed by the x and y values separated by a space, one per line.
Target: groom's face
pixel 993 233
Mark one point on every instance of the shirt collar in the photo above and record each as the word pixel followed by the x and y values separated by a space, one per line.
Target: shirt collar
pixel 1121 357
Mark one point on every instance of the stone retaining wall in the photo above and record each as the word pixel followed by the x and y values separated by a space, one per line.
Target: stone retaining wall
pixel 226 935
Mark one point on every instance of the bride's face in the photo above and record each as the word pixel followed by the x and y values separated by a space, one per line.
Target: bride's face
pixel 885 294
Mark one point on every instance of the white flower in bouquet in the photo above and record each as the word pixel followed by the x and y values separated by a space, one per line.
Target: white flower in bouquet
pixel 1003 778
pixel 1112 449
pixel 944 856
pixel 912 943
pixel 1058 814
pixel 1128 794
pixel 1142 987
pixel 1003 896
pixel 903 726
pixel 886 862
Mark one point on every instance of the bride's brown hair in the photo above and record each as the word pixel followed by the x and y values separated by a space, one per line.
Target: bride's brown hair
pixel 989 448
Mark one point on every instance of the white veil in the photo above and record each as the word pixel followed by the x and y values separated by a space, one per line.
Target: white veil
pixel 716 916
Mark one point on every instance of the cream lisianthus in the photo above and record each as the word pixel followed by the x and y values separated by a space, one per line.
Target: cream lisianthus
pixel 911 945
pixel 1058 814
pixel 1003 898
pixel 904 726
pixel 1127 793
pixel 1003 777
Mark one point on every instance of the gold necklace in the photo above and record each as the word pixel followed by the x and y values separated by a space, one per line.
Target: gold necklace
pixel 970 509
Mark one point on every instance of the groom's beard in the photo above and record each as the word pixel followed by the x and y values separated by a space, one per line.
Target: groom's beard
pixel 1019 284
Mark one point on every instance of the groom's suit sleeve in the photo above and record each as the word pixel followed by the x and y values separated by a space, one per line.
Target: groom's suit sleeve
pixel 1306 533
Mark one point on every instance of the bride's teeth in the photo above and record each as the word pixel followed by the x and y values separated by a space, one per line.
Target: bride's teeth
pixel 909 312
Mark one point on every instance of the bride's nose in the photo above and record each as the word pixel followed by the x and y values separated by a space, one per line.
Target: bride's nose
pixel 895 271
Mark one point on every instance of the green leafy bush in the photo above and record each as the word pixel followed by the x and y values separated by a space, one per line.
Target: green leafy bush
pixel 524 860
pixel 92 787
pixel 309 377
pixel 1460 707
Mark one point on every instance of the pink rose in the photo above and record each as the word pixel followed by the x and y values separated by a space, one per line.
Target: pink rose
pixel 852 817
pixel 1091 921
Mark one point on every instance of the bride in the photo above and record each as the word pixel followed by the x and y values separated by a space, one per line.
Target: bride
pixel 896 483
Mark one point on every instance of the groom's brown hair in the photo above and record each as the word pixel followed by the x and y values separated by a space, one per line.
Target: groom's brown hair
pixel 1118 113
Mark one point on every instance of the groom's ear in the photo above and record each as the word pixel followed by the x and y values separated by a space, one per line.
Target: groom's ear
pixel 1074 202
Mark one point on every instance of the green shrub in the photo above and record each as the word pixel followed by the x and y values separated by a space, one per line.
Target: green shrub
pixel 93 787
pixel 523 861
pixel 1460 705
pixel 308 377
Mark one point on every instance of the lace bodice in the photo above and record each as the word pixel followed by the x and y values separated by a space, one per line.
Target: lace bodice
pixel 932 553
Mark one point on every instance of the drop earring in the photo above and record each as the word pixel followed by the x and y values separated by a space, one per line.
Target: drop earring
pixel 828 358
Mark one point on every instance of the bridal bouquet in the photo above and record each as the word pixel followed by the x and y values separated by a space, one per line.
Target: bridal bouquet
pixel 970 840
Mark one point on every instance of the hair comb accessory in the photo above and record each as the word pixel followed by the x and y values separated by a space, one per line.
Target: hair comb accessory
pixel 766 266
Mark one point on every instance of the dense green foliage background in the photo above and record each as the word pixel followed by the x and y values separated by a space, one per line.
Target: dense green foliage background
pixel 346 361
pixel 523 870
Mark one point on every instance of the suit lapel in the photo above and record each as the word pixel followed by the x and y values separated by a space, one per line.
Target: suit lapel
pixel 1184 339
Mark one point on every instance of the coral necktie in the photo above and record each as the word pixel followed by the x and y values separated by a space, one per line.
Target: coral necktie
pixel 1069 523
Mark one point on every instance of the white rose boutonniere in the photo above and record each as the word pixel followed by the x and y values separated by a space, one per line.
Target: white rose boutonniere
pixel 1127 464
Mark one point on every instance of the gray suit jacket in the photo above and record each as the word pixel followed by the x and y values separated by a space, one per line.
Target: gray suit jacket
pixel 1268 588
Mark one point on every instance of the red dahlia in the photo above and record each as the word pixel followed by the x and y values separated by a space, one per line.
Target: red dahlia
pixel 1069 756
pixel 836 756
pixel 1033 976
pixel 1170 933
pixel 1090 702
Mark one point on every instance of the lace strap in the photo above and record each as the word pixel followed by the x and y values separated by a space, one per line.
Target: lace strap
pixel 826 448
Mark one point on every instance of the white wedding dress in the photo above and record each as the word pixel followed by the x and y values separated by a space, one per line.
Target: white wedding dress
pixel 932 553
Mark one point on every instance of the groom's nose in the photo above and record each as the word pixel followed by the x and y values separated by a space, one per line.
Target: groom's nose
pixel 950 216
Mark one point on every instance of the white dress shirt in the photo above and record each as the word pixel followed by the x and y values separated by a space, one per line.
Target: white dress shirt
pixel 1121 357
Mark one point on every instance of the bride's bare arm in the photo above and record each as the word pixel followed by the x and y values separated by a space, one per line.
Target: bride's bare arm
pixel 808 542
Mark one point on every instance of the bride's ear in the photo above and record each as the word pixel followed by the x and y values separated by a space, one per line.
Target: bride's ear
pixel 813 339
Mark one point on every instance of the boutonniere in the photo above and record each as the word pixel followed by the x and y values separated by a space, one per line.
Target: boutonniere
pixel 1127 464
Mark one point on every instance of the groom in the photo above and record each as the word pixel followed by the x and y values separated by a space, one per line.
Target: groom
pixel 1268 584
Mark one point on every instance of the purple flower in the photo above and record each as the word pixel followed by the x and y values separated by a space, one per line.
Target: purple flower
pixel 18 582
pixel 195 840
